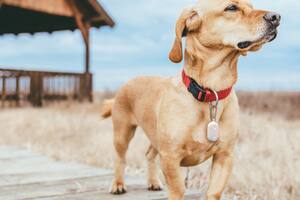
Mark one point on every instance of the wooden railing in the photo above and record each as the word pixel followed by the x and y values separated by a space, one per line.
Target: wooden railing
pixel 20 87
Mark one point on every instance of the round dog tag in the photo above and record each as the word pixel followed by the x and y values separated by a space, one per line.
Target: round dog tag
pixel 213 131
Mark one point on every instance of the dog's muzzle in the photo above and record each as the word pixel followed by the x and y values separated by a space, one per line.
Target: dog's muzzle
pixel 273 21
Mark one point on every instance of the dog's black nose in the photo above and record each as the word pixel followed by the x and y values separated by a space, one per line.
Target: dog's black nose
pixel 273 18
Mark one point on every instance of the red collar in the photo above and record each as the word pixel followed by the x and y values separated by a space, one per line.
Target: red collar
pixel 203 94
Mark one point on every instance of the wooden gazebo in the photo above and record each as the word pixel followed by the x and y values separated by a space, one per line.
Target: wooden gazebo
pixel 33 16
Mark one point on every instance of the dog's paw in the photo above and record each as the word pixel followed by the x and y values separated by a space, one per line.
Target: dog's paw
pixel 155 186
pixel 117 188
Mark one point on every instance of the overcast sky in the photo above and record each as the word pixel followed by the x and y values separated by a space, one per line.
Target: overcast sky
pixel 140 43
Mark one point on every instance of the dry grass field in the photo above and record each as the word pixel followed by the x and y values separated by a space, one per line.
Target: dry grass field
pixel 267 162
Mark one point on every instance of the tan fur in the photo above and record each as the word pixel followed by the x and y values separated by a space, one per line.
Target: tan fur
pixel 107 108
pixel 185 20
pixel 172 119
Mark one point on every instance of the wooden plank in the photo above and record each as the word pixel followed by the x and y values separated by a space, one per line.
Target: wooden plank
pixel 45 189
pixel 135 192
pixel 102 13
pixel 45 73
pixel 55 7
pixel 35 164
pixel 49 176
pixel 25 175
pixel 10 153
pixel 84 188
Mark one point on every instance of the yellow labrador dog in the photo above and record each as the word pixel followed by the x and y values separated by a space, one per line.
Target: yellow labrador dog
pixel 194 116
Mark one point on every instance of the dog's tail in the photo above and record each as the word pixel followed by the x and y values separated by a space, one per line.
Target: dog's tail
pixel 107 108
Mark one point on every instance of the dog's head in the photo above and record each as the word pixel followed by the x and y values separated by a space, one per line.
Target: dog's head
pixel 225 23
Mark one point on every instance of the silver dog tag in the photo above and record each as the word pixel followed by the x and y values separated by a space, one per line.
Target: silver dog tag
pixel 213 131
pixel 213 126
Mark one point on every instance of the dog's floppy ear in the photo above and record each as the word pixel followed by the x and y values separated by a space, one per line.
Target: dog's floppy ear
pixel 189 20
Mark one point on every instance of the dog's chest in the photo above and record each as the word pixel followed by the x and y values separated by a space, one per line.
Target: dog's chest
pixel 200 133
pixel 204 119
pixel 199 149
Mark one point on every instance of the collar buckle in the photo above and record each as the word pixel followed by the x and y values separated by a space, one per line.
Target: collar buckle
pixel 203 94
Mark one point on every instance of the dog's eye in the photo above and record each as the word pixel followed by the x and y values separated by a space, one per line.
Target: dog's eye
pixel 232 8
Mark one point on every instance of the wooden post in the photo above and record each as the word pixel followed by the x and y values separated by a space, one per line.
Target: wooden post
pixel 18 90
pixel 88 75
pixel 36 89
pixel 3 96
pixel 87 51
pixel 91 87
pixel 84 26
pixel 81 88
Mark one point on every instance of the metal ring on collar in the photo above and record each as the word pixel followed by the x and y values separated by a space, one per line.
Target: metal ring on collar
pixel 213 107
pixel 217 97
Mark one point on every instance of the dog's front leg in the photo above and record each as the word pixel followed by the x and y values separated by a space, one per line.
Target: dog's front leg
pixel 221 169
pixel 171 168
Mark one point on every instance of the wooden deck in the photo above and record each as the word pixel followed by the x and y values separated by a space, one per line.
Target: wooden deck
pixel 25 175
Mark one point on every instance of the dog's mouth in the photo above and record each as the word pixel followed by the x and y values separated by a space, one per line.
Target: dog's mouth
pixel 268 37
pixel 271 35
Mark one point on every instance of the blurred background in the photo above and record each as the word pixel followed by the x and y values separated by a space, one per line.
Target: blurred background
pixel 136 42
pixel 140 43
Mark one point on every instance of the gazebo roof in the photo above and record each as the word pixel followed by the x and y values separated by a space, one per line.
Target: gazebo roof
pixel 32 16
